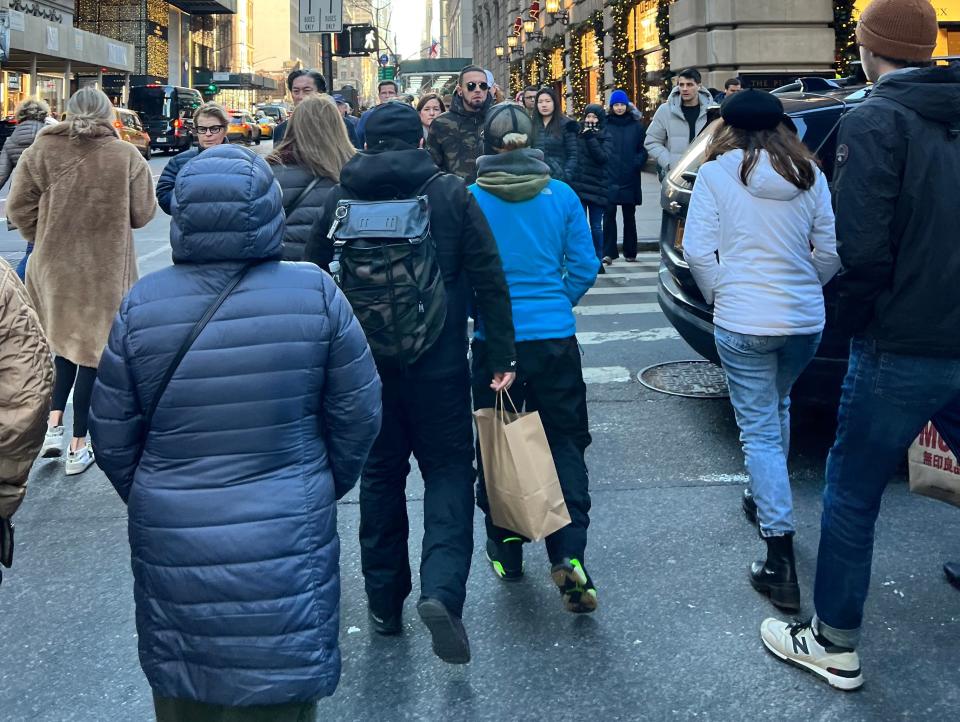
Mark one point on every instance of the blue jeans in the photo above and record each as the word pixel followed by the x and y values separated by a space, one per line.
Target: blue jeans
pixel 887 399
pixel 595 217
pixel 22 266
pixel 760 371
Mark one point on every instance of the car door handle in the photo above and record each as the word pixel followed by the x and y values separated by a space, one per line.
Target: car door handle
pixel 674 206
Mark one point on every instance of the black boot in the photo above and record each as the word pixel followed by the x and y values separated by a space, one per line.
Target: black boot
pixel 777 576
pixel 952 570
pixel 749 506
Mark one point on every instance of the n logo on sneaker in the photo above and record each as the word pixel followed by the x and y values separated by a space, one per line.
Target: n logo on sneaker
pixel 799 645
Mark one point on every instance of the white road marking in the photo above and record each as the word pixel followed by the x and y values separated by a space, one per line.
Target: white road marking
pixel 606 375
pixel 154 254
pixel 725 478
pixel 622 290
pixel 591 338
pixel 638 274
pixel 618 310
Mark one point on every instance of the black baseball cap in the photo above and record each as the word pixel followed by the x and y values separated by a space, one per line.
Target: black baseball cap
pixel 393 121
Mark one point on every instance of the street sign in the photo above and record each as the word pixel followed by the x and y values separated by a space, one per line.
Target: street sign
pixel 321 16
pixel 384 60
pixel 388 73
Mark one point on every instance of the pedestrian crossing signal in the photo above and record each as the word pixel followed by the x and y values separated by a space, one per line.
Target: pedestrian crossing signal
pixel 212 89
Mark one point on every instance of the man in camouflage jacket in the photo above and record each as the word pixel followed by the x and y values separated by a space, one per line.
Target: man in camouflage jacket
pixel 456 137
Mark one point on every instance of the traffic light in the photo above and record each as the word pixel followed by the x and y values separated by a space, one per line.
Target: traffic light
pixel 212 89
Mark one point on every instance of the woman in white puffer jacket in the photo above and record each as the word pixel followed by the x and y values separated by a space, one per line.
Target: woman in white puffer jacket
pixel 761 244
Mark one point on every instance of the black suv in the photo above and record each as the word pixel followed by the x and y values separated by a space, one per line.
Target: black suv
pixel 816 107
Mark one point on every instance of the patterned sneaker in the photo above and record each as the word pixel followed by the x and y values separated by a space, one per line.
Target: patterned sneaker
pixel 80 460
pixel 576 588
pixel 52 442
pixel 506 558
pixel 798 644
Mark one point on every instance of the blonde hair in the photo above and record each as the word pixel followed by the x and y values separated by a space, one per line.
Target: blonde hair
pixel 31 109
pixel 316 139
pixel 88 110
pixel 214 110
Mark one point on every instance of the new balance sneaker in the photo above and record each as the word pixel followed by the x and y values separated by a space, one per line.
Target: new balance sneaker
pixel 798 644
pixel 52 442
pixel 506 558
pixel 80 460
pixel 576 588
pixel 450 641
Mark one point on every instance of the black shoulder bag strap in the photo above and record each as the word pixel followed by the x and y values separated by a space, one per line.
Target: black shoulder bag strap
pixel 289 208
pixel 188 342
pixel 429 180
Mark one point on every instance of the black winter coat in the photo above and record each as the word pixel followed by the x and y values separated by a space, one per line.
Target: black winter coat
pixel 895 194
pixel 627 158
pixel 467 252
pixel 559 150
pixel 301 217
pixel 593 154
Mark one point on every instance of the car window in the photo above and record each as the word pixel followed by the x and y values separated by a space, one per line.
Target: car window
pixel 819 134
pixel 693 158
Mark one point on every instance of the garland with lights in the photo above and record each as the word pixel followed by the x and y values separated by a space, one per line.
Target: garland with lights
pixel 516 78
pixel 620 58
pixel 844 28
pixel 663 30
pixel 577 76
pixel 533 70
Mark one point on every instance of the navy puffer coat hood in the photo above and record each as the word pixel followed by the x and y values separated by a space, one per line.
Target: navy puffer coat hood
pixel 268 420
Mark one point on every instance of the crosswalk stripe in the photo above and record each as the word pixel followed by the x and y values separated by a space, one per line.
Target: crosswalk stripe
pixel 606 375
pixel 622 290
pixel 617 310
pixel 614 276
pixel 592 338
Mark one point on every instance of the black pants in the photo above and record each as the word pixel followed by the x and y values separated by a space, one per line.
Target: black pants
pixel 629 231
pixel 80 379
pixel 549 380
pixel 432 420
pixel 169 709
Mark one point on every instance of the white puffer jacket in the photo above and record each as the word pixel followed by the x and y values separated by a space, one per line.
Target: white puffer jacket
pixel 777 247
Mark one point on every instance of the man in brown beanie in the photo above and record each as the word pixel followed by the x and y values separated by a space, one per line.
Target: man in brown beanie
pixel 897 170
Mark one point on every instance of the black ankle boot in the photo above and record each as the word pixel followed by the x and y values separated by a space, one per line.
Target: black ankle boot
pixel 749 506
pixel 777 576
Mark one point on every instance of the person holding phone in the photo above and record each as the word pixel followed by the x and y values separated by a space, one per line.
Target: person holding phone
pixel 590 178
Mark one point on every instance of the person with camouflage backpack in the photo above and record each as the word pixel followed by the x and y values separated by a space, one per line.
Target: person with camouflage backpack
pixel 456 137
pixel 426 376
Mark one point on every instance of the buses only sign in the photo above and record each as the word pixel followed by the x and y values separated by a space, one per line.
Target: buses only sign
pixel 321 16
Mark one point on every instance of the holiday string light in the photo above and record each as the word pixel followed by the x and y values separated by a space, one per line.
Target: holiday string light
pixel 663 30
pixel 620 59
pixel 578 79
pixel 844 28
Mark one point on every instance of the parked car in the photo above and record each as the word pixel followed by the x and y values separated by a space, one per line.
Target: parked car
pixel 167 112
pixel 131 129
pixel 267 124
pixel 243 128
pixel 817 117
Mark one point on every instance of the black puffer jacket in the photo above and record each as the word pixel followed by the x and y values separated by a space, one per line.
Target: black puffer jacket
pixel 22 138
pixel 593 153
pixel 302 213
pixel 627 158
pixel 895 191
pixel 559 148
pixel 467 252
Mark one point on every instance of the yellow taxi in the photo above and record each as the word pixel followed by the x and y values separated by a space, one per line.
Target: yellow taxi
pixel 243 128
pixel 131 129
pixel 267 124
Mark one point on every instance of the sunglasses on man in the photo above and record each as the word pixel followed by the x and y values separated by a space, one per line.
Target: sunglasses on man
pixel 471 86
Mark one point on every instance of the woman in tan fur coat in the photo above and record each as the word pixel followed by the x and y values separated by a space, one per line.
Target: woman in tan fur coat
pixel 78 193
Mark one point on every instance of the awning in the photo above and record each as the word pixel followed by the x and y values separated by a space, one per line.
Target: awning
pixel 244 81
pixel 206 7
pixel 53 44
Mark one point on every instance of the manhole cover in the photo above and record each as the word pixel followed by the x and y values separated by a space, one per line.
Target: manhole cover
pixel 692 379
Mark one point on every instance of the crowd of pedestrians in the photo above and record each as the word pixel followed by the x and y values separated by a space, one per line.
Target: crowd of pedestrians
pixel 423 217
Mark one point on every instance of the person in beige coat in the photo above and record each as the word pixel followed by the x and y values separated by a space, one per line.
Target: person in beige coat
pixel 26 380
pixel 78 193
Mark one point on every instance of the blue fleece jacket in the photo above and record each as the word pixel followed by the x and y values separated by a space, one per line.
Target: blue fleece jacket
pixel 548 258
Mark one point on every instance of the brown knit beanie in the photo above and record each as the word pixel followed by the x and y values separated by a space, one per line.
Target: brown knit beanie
pixel 899 29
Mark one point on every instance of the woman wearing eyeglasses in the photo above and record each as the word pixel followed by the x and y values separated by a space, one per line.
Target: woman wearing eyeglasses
pixel 210 122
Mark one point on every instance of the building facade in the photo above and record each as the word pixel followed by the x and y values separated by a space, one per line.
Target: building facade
pixel 43 55
pixel 459 28
pixel 587 48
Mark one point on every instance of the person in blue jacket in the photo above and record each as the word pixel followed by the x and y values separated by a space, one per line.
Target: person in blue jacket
pixel 231 492
pixel 549 260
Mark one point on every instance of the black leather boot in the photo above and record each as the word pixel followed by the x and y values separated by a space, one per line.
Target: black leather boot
pixel 952 570
pixel 777 576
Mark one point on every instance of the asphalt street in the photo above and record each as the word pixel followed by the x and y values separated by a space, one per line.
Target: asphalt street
pixel 676 635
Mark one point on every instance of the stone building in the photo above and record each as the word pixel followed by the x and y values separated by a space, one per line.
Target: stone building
pixel 586 48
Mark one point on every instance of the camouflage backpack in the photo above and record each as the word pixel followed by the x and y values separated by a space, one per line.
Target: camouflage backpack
pixel 385 262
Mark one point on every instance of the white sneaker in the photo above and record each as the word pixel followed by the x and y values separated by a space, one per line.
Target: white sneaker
pixel 80 460
pixel 799 645
pixel 52 442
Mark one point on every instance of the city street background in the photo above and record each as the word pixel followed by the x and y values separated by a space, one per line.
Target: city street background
pixel 676 635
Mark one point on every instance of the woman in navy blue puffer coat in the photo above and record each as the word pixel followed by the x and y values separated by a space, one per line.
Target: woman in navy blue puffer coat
pixel 266 423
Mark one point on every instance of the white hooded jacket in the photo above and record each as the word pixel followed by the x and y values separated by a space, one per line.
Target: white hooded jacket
pixel 776 243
